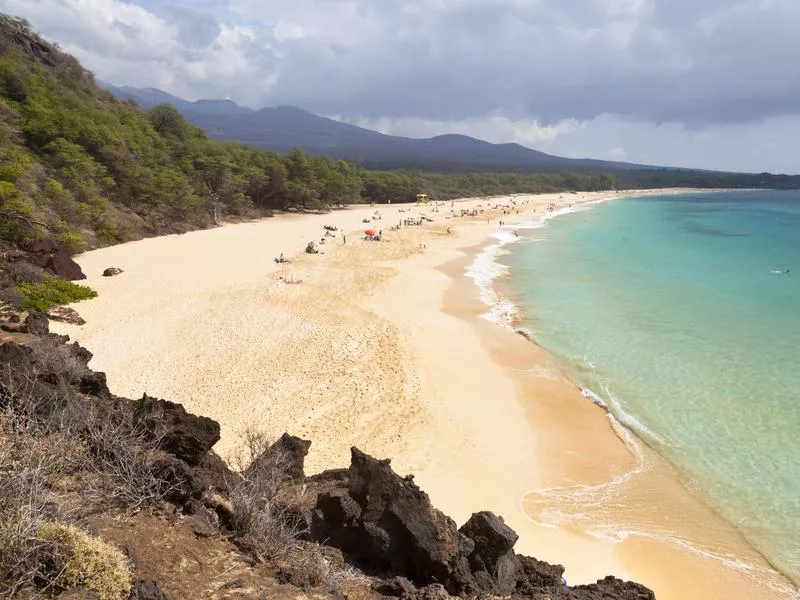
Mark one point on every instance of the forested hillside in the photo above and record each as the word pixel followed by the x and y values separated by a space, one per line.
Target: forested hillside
pixel 85 169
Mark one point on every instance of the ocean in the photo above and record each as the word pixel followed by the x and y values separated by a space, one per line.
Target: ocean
pixel 680 314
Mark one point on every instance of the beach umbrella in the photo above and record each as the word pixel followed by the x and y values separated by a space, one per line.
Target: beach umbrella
pixel 369 232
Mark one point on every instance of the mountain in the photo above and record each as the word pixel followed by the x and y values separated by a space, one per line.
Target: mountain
pixel 283 128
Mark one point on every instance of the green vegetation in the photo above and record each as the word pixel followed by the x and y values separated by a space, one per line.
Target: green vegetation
pixel 42 296
pixel 85 169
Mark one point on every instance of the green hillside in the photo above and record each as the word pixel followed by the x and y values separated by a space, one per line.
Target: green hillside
pixel 79 166
pixel 82 167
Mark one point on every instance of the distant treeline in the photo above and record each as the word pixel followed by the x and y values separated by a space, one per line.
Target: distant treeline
pixel 86 169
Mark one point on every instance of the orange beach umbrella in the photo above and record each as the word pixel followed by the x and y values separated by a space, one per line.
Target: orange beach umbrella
pixel 369 232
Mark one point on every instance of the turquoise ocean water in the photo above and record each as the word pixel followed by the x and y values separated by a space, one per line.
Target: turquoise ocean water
pixel 683 314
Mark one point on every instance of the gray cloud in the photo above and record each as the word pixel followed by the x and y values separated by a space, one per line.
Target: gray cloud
pixel 694 63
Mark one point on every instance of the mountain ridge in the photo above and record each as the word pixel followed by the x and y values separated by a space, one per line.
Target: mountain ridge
pixel 284 128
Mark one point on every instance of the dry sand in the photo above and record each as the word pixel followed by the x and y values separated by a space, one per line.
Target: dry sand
pixel 382 346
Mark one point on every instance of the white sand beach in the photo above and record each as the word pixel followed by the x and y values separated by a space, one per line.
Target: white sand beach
pixel 382 346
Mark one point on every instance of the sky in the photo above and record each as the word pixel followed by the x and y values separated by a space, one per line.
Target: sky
pixel 695 83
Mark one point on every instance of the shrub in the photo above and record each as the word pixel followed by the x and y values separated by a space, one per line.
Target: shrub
pixel 81 560
pixel 265 521
pixel 73 243
pixel 29 463
pixel 11 296
pixel 126 461
pixel 42 296
pixel 107 233
pixel 25 272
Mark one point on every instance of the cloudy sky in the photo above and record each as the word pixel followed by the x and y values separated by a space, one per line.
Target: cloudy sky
pixel 697 83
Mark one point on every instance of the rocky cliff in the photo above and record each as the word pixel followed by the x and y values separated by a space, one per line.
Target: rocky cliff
pixel 364 521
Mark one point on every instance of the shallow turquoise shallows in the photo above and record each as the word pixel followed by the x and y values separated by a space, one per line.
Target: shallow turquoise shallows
pixel 683 314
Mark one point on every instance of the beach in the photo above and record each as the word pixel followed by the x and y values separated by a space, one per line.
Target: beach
pixel 382 345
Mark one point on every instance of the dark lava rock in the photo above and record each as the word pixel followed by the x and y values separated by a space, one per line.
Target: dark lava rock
pixel 182 482
pixel 37 323
pixel 146 589
pixel 612 588
pixel 180 433
pixel 111 271
pixel 434 591
pixel 215 473
pixel 61 265
pixel 395 587
pixel 535 575
pixel 47 255
pixel 338 508
pixel 493 561
pixel 395 529
pixel 65 314
pixel 285 459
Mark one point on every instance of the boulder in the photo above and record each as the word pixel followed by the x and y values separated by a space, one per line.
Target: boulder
pixel 493 562
pixel 111 271
pixel 37 323
pixel 47 255
pixel 611 588
pixel 535 575
pixel 395 587
pixel 64 314
pixel 184 435
pixel 285 458
pixel 386 523
pixel 61 265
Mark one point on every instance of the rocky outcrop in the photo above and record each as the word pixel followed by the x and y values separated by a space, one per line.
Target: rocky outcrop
pixel 285 458
pixel 373 518
pixel 493 562
pixel 37 323
pixel 112 271
pixel 49 256
pixel 184 435
pixel 65 314
pixel 387 526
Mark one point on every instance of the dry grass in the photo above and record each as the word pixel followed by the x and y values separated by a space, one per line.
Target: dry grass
pixel 78 559
pixel 267 518
pixel 25 272
pixel 30 461
pixel 263 522
pixel 113 460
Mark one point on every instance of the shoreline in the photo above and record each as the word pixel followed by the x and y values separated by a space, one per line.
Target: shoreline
pixel 379 334
pixel 719 552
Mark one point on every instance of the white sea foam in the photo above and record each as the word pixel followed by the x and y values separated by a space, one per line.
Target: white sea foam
pixel 485 270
